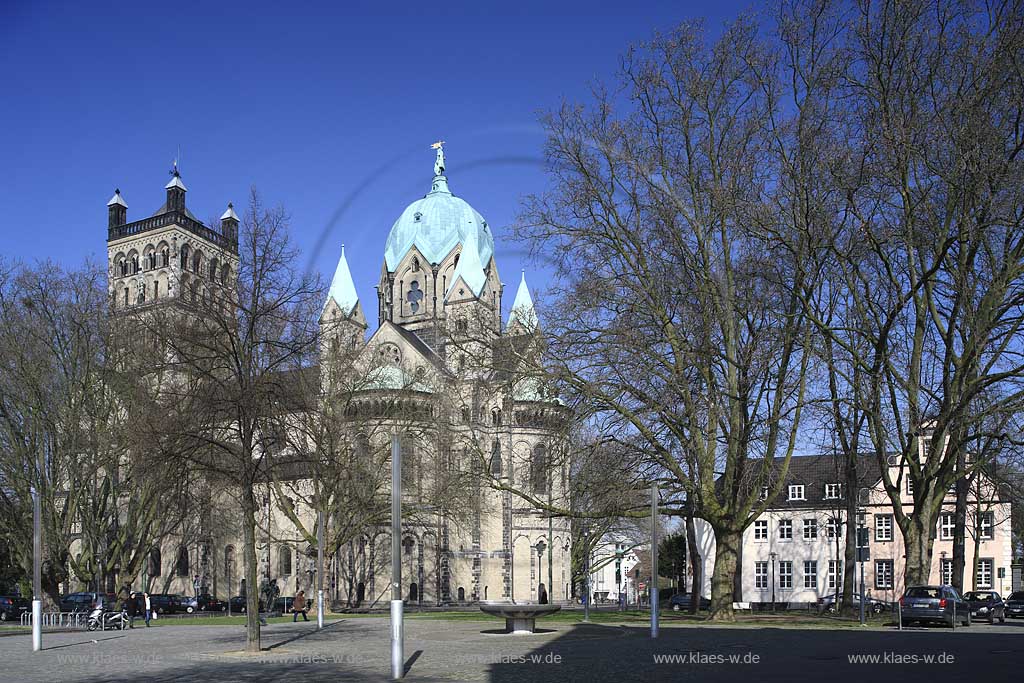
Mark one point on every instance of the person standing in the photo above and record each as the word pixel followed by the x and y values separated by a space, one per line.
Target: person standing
pixel 299 607
pixel 147 606
pixel 132 608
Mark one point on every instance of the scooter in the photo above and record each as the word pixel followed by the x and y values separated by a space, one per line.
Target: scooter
pixel 101 620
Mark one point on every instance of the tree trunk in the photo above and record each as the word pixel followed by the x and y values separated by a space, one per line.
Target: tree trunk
pixel 917 539
pixel 252 600
pixel 850 552
pixel 727 552
pixel 959 529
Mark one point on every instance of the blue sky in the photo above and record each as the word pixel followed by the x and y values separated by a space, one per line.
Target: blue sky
pixel 328 110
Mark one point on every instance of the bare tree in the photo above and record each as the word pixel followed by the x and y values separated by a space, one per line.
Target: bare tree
pixel 225 372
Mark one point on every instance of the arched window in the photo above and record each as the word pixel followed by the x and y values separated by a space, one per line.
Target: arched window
pixel 284 563
pixel 496 459
pixel 154 567
pixel 135 263
pixel 181 567
pixel 539 469
pixel 184 257
pixel 125 296
pixel 225 274
pixel 462 594
pixel 197 263
pixel 166 254
pixel 151 260
pixel 213 270
pixel 122 265
pixel 414 592
pixel 496 417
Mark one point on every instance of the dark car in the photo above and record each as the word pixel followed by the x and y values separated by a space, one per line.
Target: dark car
pixel 165 603
pixel 873 605
pixel 986 605
pixel 187 603
pixel 681 601
pixel 1014 605
pixel 239 604
pixel 12 607
pixel 939 604
pixel 85 601
pixel 282 604
pixel 208 603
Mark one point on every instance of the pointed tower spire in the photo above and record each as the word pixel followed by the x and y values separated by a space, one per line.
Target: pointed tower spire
pixel 470 271
pixel 343 289
pixel 175 191
pixel 117 210
pixel 523 315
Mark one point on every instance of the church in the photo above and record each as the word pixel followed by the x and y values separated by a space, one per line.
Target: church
pixel 441 368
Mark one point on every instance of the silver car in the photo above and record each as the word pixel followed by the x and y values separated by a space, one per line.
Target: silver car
pixel 939 604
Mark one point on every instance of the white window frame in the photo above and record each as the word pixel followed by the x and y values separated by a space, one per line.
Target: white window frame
pixel 785 575
pixel 764 493
pixel 760 575
pixel 910 485
pixel 811 574
pixel 785 529
pixel 986 524
pixel 810 529
pixel 797 492
pixel 761 530
pixel 833 491
pixel 835 574
pixel 946 571
pixel 832 527
pixel 947 525
pixel 883 527
pixel 986 568
pixel 883 574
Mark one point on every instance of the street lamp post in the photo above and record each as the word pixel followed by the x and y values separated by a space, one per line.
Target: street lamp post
pixel 540 569
pixel 397 629
pixel 37 571
pixel 773 555
pixel 654 561
pixel 586 574
pixel 320 566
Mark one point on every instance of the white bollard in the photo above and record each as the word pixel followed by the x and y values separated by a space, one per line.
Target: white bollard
pixel 397 640
pixel 37 625
pixel 320 609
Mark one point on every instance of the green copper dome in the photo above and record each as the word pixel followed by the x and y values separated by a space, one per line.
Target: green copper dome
pixel 435 224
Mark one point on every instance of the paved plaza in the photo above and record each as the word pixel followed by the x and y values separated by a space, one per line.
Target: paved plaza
pixel 356 649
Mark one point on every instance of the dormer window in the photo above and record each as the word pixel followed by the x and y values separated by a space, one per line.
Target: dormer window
pixel 796 492
pixel 416 217
pixel 833 491
pixel 764 493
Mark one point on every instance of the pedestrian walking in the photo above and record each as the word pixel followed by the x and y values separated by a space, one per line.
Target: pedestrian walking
pixel 148 607
pixel 132 608
pixel 299 607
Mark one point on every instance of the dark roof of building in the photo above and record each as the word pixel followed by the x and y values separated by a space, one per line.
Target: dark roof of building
pixel 417 342
pixel 815 471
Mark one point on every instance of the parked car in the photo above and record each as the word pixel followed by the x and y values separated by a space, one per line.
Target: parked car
pixel 282 604
pixel 12 607
pixel 1014 604
pixel 986 605
pixel 681 601
pixel 239 604
pixel 85 601
pixel 165 603
pixel 873 605
pixel 188 603
pixel 208 603
pixel 934 604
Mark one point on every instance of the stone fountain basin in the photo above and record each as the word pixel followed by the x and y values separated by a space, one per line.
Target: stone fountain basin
pixel 519 619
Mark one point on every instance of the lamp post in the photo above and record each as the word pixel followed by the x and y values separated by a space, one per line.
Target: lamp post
pixel 773 555
pixel 586 574
pixel 540 568
pixel 654 561
pixel 397 629
pixel 37 571
pixel 319 566
pixel 942 569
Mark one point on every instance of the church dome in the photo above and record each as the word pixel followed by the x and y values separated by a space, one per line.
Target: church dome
pixel 435 224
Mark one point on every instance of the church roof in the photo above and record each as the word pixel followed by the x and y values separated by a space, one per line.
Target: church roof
pixel 523 313
pixel 470 269
pixel 435 224
pixel 394 378
pixel 230 213
pixel 343 289
pixel 175 182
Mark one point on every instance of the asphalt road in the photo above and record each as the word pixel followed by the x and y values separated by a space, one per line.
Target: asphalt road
pixel 358 650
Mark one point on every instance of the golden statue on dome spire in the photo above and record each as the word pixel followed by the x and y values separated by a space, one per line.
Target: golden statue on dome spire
pixel 439 162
